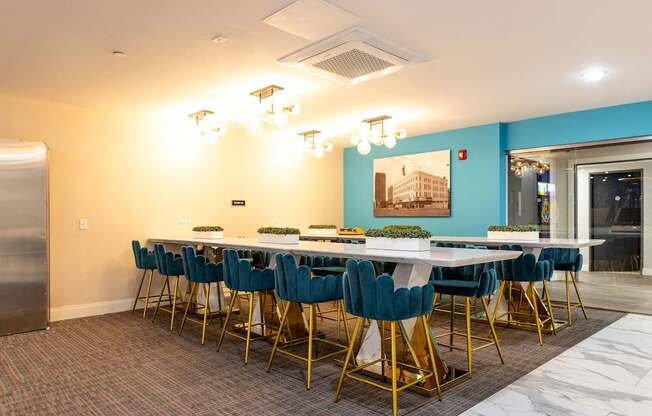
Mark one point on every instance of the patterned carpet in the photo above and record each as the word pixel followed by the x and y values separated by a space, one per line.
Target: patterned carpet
pixel 120 364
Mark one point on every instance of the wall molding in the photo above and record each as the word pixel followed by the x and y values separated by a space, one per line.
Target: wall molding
pixel 62 313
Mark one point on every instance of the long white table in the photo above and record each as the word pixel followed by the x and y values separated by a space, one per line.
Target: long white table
pixel 413 269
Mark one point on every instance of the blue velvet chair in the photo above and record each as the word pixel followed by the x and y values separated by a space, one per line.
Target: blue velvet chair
pixel 298 285
pixel 568 260
pixel 240 276
pixel 146 262
pixel 481 288
pixel 375 298
pixel 169 265
pixel 526 269
pixel 201 274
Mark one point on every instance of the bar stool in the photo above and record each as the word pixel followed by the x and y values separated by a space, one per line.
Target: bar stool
pixel 169 265
pixel 201 273
pixel 481 288
pixel 525 269
pixel 297 285
pixel 369 297
pixel 239 276
pixel 145 261
pixel 568 260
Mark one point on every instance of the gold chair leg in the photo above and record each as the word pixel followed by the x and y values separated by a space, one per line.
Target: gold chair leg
pixel 577 292
pixel 234 296
pixel 149 291
pixel 207 310
pixel 569 309
pixel 452 337
pixel 485 307
pixel 158 304
pixel 381 331
pixel 193 289
pixel 408 344
pixel 392 331
pixel 431 353
pixel 537 321
pixel 337 318
pixel 174 303
pixel 249 320
pixel 311 324
pixel 549 304
pixel 140 287
pixel 469 346
pixel 349 353
pixel 220 293
pixel 277 338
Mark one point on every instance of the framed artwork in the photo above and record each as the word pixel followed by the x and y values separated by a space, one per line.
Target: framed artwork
pixel 416 185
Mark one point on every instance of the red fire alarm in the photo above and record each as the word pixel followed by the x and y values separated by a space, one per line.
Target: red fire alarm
pixel 461 154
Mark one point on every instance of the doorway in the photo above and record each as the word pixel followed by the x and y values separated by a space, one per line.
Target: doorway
pixel 616 213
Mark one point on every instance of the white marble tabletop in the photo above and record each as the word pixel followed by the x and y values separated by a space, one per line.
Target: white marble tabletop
pixel 540 243
pixel 437 256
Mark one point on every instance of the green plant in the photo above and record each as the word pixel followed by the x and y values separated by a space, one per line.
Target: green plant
pixel 514 228
pixel 207 228
pixel 399 231
pixel 322 227
pixel 278 230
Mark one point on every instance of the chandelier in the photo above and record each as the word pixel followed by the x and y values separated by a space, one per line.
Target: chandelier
pixel 208 127
pixel 520 166
pixel 379 130
pixel 316 144
pixel 270 107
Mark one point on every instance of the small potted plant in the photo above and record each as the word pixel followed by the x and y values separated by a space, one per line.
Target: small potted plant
pixel 398 237
pixel 513 232
pixel 278 235
pixel 212 232
pixel 322 229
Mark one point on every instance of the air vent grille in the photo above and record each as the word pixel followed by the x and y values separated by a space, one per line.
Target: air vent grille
pixel 353 63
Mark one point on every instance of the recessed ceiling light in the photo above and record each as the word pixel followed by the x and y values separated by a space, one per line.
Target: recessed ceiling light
pixel 219 39
pixel 119 54
pixel 594 74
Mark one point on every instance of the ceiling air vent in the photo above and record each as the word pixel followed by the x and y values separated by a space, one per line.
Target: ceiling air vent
pixel 352 57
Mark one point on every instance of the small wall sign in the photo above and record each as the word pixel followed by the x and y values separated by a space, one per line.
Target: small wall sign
pixel 461 154
pixel 238 203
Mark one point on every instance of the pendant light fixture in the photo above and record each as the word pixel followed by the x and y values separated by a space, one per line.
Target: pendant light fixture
pixel 209 129
pixel 379 130
pixel 316 144
pixel 271 107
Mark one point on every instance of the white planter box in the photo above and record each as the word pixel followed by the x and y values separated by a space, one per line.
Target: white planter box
pixel 404 244
pixel 513 235
pixel 322 231
pixel 278 238
pixel 208 235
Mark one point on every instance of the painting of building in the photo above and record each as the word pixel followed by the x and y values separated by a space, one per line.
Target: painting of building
pixel 416 185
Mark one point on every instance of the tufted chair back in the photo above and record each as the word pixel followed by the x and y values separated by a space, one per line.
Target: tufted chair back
pixel 296 284
pixel 565 259
pixel 143 258
pixel 525 268
pixel 198 269
pixel 370 297
pixel 167 263
pixel 240 276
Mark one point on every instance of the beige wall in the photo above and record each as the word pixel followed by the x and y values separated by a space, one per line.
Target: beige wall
pixel 133 175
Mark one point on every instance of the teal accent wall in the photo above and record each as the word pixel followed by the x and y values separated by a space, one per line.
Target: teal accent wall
pixel 475 183
pixel 478 184
pixel 607 123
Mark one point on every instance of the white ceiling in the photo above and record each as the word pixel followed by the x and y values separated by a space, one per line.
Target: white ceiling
pixel 492 61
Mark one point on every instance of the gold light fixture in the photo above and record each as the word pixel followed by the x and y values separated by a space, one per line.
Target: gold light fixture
pixel 270 107
pixel 379 130
pixel 208 127
pixel 519 166
pixel 316 144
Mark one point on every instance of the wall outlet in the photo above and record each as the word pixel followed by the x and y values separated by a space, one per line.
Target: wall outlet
pixel 83 224
pixel 183 221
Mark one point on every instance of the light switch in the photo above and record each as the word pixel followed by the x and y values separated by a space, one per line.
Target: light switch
pixel 83 224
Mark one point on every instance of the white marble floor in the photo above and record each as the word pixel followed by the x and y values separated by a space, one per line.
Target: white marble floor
pixel 607 374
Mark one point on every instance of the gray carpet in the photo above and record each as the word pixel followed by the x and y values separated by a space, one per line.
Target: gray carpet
pixel 120 364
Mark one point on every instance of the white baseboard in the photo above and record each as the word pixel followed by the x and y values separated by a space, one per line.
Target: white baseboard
pixel 90 309
pixel 646 272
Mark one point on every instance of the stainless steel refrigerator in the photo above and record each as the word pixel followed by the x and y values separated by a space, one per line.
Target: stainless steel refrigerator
pixel 23 237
